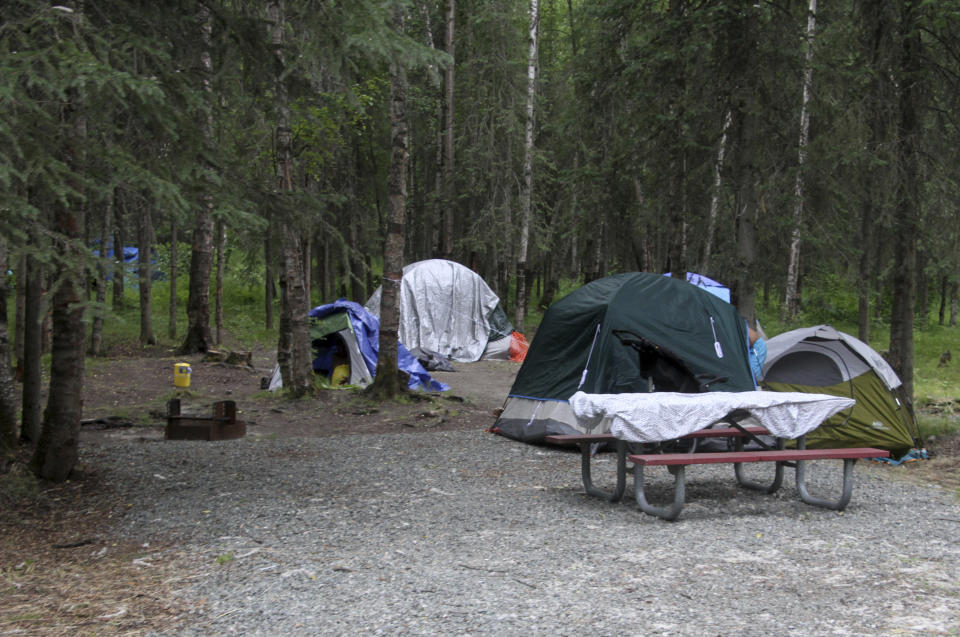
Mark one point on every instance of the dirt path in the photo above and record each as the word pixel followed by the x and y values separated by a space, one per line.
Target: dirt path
pixel 127 397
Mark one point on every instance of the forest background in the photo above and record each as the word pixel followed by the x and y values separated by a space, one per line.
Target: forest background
pixel 276 155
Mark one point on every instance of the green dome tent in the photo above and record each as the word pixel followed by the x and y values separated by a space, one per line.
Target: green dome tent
pixel 632 332
pixel 822 360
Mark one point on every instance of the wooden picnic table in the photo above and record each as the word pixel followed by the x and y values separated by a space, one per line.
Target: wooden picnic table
pixel 677 462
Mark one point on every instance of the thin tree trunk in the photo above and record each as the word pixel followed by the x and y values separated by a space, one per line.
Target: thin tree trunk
pixel 307 248
pixel 356 271
pixel 46 323
pixel 221 238
pixel 387 382
pixel 324 275
pixel 293 346
pixel 293 350
pixel 745 178
pixel 954 297
pixel 103 267
pixel 174 238
pixel 526 197
pixel 746 255
pixel 20 311
pixel 791 302
pixel 424 245
pixel 875 28
pixel 199 338
pixel 715 195
pixel 35 307
pixel 864 288
pixel 923 289
pixel 944 290
pixel 450 195
pixel 145 247
pixel 9 432
pixel 908 215
pixel 119 266
pixel 269 291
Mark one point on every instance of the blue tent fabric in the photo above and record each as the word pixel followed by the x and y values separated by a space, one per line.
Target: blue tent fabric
pixel 715 288
pixel 911 456
pixel 366 327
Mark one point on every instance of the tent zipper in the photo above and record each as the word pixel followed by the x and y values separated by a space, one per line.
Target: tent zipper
pixel 716 342
pixel 586 368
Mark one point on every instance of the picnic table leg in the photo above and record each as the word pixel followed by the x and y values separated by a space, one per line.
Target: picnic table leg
pixel 774 486
pixel 847 491
pixel 679 493
pixel 585 459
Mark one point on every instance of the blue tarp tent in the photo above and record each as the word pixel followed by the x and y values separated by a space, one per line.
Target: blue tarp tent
pixel 365 330
pixel 131 261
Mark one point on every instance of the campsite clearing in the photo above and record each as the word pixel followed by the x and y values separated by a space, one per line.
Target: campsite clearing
pixel 69 525
pixel 126 395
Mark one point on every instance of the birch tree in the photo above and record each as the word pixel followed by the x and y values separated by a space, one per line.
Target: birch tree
pixel 450 194
pixel 526 194
pixel 791 297
pixel 714 210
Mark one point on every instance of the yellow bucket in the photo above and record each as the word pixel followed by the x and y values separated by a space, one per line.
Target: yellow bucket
pixel 181 375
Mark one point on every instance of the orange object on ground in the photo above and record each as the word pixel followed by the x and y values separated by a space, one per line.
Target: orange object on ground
pixel 518 347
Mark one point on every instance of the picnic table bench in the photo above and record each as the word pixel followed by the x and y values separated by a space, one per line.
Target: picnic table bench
pixel 797 458
pixel 588 443
pixel 677 462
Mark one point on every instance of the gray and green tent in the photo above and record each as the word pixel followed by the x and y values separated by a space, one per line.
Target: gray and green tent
pixel 632 332
pixel 823 360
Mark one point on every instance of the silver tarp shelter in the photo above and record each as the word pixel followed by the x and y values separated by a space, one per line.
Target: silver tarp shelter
pixel 447 308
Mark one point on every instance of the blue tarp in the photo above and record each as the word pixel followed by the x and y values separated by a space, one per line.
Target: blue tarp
pixel 715 288
pixel 131 261
pixel 911 456
pixel 366 327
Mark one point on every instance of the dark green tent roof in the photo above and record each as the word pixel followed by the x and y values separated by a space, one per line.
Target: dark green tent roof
pixel 577 334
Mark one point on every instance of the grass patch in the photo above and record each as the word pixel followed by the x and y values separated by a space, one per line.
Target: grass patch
pixel 932 425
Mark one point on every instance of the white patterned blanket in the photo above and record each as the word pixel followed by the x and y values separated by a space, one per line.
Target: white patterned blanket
pixel 667 415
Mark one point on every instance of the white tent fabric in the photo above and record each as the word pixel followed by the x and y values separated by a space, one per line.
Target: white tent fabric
pixel 658 416
pixel 444 308
pixel 821 337
pixel 498 350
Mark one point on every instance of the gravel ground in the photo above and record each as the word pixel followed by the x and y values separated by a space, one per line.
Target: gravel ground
pixel 466 532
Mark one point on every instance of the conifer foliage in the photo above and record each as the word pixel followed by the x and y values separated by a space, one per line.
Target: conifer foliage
pixel 634 136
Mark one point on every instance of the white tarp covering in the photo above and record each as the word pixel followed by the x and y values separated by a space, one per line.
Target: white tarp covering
pixel 444 308
pixel 661 416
